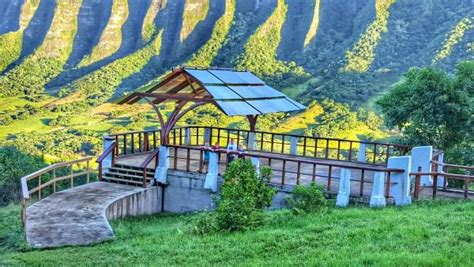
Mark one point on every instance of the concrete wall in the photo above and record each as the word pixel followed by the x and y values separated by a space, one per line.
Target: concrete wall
pixel 142 203
pixel 185 192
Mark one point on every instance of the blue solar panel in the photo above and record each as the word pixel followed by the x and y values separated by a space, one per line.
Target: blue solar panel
pixel 237 108
pixel 204 76
pixel 236 77
pixel 221 92
pixel 273 105
pixel 256 91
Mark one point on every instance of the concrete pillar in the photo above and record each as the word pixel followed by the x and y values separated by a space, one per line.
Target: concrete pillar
pixel 161 173
pixel 107 162
pixel 207 135
pixel 421 157
pixel 251 145
pixel 377 199
pixel 361 156
pixel 187 136
pixel 213 170
pixel 440 170
pixel 293 145
pixel 342 199
pixel 401 189
pixel 256 163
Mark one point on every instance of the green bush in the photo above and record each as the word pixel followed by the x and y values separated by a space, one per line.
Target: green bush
pixel 244 196
pixel 13 165
pixel 308 199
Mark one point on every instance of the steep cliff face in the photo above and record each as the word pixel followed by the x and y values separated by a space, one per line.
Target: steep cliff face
pixel 348 50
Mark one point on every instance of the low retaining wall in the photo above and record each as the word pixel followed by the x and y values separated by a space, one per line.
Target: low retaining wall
pixel 145 202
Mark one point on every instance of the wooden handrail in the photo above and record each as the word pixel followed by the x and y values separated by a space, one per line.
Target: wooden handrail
pixel 449 175
pixel 154 154
pixel 106 152
pixel 453 165
pixel 277 157
pixel 25 191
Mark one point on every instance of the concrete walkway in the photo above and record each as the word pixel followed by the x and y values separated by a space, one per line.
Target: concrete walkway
pixel 75 216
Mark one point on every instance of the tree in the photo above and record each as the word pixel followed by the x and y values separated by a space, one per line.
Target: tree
pixel 432 108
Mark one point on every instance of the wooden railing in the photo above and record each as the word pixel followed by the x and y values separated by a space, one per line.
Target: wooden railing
pixel 136 142
pixel 54 178
pixel 308 146
pixel 154 155
pixel 286 170
pixel 452 172
pixel 109 151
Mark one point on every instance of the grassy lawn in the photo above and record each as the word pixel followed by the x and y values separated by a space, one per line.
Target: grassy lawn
pixel 427 233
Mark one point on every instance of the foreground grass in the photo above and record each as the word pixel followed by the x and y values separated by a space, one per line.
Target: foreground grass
pixel 427 233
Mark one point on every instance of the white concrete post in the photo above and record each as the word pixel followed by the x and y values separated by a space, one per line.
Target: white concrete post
pixel 361 156
pixel 377 199
pixel 342 199
pixel 440 170
pixel 161 173
pixel 251 141
pixel 256 163
pixel 293 145
pixel 421 157
pixel 187 136
pixel 401 188
pixel 213 170
pixel 107 162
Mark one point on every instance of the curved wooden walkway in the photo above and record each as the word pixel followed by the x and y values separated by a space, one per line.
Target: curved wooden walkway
pixel 75 216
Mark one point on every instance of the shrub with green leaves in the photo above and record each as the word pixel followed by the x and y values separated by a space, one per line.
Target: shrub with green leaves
pixel 308 199
pixel 244 196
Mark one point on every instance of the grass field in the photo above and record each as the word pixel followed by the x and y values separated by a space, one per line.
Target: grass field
pixel 427 233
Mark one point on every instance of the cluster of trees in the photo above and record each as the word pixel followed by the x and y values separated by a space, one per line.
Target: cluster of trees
pixel 432 107
pixel 338 117
pixel 18 114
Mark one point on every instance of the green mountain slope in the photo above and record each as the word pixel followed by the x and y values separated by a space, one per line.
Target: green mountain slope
pixel 348 48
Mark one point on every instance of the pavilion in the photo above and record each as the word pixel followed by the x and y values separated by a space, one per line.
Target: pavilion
pixel 233 92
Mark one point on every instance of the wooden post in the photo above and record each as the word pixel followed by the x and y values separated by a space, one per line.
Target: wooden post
pixel 298 173
pixel 329 178
pixel 283 172
pixel 387 188
pixel 39 185
pixel 435 184
pixel 71 178
pixel 54 179
pixel 88 171
pixel 362 174
pixel 314 173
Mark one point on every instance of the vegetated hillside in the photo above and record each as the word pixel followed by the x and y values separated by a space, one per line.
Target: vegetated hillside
pixel 352 50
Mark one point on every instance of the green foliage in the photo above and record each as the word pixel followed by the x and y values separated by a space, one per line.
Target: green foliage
pixel 208 52
pixel 18 114
pixel 260 55
pixel 456 34
pixel 431 108
pixel 111 37
pixel 61 120
pixel 207 115
pixel 47 61
pixel 336 117
pixel 11 43
pixel 244 196
pixel 149 28
pixel 362 54
pixel 307 199
pixel 60 145
pixel 98 86
pixel 15 164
